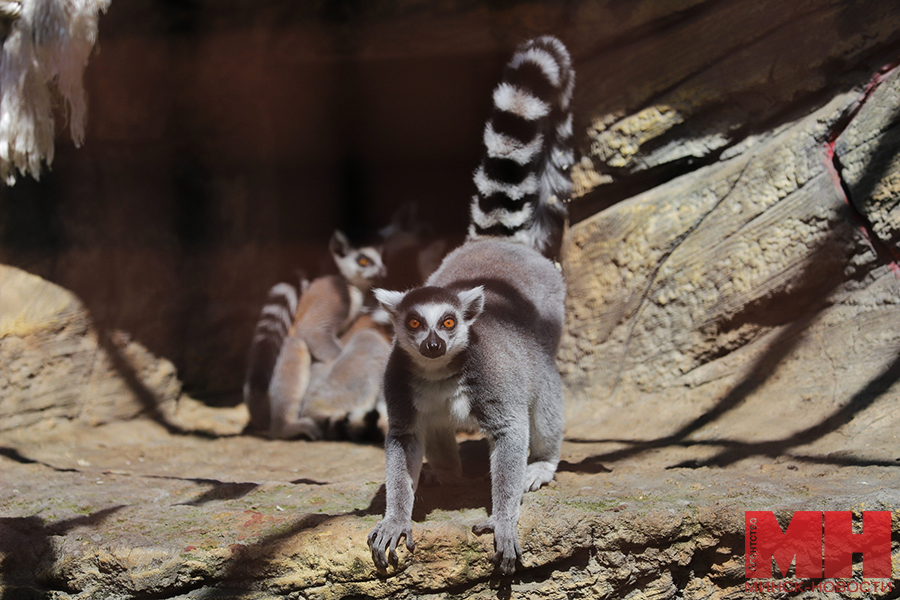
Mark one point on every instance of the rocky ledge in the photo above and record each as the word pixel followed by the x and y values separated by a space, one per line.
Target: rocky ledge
pixel 131 510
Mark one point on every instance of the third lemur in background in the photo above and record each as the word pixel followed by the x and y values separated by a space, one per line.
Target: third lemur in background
pixel 478 342
pixel 294 333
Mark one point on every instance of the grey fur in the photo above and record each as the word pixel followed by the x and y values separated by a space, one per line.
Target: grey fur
pixel 335 399
pixel 498 370
pixel 343 394
pixel 478 342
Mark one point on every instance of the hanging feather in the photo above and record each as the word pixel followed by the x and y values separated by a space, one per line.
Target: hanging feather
pixel 47 46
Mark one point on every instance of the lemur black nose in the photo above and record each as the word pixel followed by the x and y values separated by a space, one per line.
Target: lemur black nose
pixel 433 346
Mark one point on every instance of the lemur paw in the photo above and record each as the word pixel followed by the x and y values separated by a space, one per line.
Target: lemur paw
pixel 506 544
pixel 386 536
pixel 537 474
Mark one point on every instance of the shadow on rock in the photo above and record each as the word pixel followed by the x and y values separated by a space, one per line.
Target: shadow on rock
pixel 219 490
pixel 13 454
pixel 248 563
pixel 473 492
pixel 26 569
pixel 811 296
pixel 251 562
pixel 858 403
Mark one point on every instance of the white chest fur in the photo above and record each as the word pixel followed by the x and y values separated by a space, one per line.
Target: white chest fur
pixel 445 398
pixel 356 301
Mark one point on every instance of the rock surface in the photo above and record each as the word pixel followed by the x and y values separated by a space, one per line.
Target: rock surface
pixel 732 288
pixel 57 364
pixel 868 156
pixel 744 287
pixel 711 74
pixel 733 334
pixel 133 511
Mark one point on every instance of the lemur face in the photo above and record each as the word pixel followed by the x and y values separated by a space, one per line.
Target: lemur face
pixel 432 329
pixel 360 266
pixel 432 324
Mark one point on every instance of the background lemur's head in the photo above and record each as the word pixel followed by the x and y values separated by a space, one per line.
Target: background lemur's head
pixel 432 323
pixel 361 266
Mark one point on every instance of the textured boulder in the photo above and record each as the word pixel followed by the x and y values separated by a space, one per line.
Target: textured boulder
pixel 56 365
pixel 868 156
pixel 714 73
pixel 742 288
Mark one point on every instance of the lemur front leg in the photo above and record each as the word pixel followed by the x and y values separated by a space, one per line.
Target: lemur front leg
pixel 403 458
pixel 509 455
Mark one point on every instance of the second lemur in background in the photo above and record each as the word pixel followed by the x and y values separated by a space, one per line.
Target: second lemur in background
pixel 478 342
pixel 293 333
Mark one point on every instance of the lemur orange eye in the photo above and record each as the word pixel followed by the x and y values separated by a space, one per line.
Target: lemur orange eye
pixel 449 323
pixel 413 323
pixel 362 261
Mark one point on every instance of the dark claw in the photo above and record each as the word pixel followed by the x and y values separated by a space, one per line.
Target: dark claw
pixel 481 528
pixel 506 547
pixel 383 541
pixel 506 565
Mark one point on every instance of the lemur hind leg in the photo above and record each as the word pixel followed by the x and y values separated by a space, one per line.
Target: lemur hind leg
pixel 546 434
pixel 287 388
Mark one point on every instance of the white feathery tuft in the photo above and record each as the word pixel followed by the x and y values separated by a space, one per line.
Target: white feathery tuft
pixel 48 47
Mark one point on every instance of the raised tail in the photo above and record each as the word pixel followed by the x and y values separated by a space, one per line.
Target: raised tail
pixel 275 321
pixel 523 181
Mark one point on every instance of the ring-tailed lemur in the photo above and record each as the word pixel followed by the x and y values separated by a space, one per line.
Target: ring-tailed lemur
pixel 294 333
pixel 274 322
pixel 479 340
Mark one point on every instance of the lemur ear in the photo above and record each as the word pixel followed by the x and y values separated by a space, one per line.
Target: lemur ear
pixel 339 245
pixel 472 302
pixel 388 299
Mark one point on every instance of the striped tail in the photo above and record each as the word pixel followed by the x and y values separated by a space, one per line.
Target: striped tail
pixel 523 181
pixel 275 321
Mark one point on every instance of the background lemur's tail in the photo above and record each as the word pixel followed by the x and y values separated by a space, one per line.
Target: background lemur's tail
pixel 275 321
pixel 523 181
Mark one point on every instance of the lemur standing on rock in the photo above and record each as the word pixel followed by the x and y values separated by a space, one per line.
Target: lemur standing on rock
pixel 314 359
pixel 478 342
